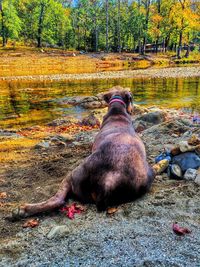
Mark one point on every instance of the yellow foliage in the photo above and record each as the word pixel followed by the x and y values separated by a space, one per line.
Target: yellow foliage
pixel 156 18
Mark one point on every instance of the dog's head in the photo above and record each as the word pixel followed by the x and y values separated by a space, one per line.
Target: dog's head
pixel 120 95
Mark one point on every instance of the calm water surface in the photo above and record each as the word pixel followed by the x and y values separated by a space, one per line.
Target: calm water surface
pixel 23 105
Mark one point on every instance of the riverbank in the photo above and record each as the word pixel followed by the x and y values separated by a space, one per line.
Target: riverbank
pixel 170 72
pixel 24 63
pixel 137 234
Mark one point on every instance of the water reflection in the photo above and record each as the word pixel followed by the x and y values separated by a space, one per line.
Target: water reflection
pixel 23 105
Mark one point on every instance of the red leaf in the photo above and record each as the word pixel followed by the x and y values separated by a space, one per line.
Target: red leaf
pixel 180 230
pixel 71 210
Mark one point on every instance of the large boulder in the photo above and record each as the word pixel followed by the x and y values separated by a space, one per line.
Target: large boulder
pixel 149 119
pixel 90 120
pixel 153 118
pixel 88 102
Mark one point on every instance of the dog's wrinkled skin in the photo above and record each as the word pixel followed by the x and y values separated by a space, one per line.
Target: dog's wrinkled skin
pixel 115 172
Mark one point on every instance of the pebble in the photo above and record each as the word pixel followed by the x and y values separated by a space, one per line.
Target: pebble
pixel 184 147
pixel 42 145
pixel 161 166
pixel 194 140
pixel 58 231
pixel 190 174
pixel 197 179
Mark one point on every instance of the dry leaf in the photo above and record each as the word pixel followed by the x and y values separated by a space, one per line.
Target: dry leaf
pixel 111 210
pixel 31 223
pixel 80 207
pixel 180 230
pixel 3 195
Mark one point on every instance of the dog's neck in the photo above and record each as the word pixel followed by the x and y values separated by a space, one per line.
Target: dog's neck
pixel 117 99
pixel 116 106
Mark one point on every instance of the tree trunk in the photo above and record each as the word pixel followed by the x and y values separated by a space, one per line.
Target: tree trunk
pixel 156 46
pixel 139 30
pixel 158 27
pixel 187 51
pixel 78 45
pixel 107 18
pixel 143 46
pixel 180 45
pixel 167 43
pixel 3 26
pixel 163 45
pixel 40 25
pixel 118 27
pixel 147 7
pixel 188 47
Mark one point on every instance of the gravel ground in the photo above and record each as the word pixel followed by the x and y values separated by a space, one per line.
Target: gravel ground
pixel 171 72
pixel 138 234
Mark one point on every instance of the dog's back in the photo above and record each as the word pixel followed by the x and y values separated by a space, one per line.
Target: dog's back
pixel 119 170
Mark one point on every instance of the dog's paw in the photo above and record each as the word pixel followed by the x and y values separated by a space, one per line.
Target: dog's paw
pixel 18 213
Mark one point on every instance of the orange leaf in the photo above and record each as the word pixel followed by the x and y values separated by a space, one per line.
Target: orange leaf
pixel 31 223
pixel 112 210
pixel 3 195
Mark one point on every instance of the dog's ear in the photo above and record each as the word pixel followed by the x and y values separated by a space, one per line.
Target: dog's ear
pixel 128 100
pixel 107 97
pixel 128 97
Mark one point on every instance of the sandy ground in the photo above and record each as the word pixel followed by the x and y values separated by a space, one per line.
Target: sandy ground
pixel 138 234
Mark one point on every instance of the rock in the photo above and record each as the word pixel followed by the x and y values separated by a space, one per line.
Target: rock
pixel 197 149
pixel 57 140
pixel 8 133
pixel 89 102
pixel 175 135
pixel 197 179
pixel 67 137
pixel 84 138
pixel 138 110
pixel 91 105
pixel 61 139
pixel 90 120
pixel 62 121
pixel 194 140
pixel 77 143
pixel 190 174
pixel 42 145
pixel 161 166
pixel 58 231
pixel 175 150
pixel 184 146
pixel 187 160
pixel 174 171
pixel 139 126
pixel 153 117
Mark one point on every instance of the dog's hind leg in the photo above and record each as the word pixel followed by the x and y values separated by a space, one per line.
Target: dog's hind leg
pixel 52 203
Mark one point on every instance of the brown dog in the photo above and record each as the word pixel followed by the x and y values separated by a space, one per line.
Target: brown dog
pixel 117 170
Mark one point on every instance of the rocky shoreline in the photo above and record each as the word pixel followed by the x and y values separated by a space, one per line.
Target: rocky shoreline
pixel 137 234
pixel 170 72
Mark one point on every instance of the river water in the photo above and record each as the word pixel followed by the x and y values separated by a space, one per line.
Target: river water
pixel 23 105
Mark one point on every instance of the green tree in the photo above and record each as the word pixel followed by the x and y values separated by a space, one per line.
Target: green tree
pixel 44 21
pixel 10 21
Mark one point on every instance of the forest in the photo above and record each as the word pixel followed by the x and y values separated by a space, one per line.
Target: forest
pixel 110 25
